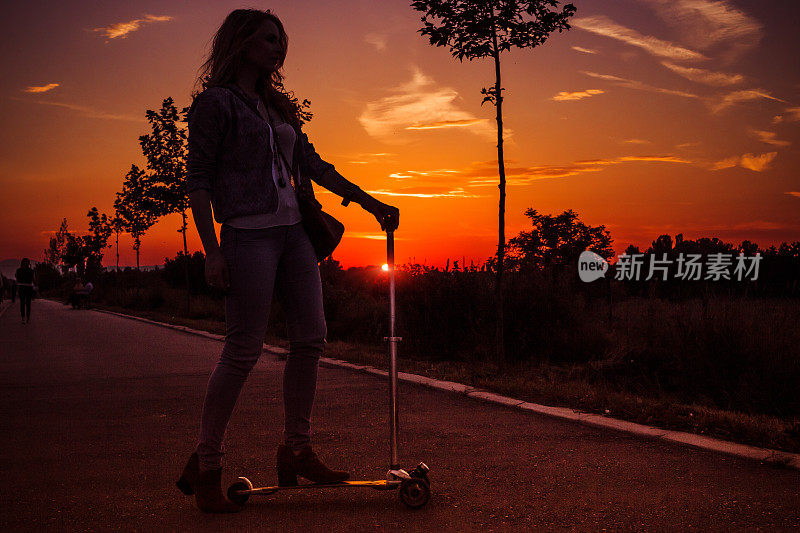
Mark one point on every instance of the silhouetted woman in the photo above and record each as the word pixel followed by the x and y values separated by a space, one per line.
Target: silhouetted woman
pixel 238 126
pixel 25 282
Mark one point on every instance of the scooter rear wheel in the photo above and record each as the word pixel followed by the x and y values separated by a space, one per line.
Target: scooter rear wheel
pixel 234 496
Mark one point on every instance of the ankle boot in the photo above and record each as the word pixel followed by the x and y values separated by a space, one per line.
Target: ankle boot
pixel 209 495
pixel 305 464
pixel 188 480
pixel 287 476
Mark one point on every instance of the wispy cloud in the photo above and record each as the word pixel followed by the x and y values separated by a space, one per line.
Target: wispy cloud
pixel 634 84
pixel 419 105
pixel 579 95
pixel 85 111
pixel 418 174
pixel 369 157
pixel 448 182
pixel 758 163
pixel 688 145
pixel 792 113
pixel 602 25
pixel 584 50
pixel 736 97
pixel 378 40
pixel 796 194
pixel 448 124
pixel 708 77
pixel 754 162
pixel 707 23
pixel 368 235
pixel 41 88
pixel 653 158
pixel 428 192
pixel 636 141
pixel 769 137
pixel 122 29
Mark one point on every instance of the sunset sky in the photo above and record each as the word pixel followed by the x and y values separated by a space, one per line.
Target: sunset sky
pixel 648 116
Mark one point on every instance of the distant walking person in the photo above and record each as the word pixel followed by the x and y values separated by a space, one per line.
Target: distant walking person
pixel 245 145
pixel 25 282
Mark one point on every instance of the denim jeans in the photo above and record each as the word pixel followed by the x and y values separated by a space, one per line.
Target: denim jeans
pixel 25 293
pixel 282 259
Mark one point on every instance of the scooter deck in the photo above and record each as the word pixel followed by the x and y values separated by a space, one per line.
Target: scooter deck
pixel 380 484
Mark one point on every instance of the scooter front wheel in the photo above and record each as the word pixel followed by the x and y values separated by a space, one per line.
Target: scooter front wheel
pixel 415 492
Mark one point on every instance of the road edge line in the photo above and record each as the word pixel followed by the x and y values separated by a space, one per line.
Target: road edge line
pixel 746 451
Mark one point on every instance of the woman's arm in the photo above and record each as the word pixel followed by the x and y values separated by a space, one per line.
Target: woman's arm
pixel 216 269
pixel 325 174
pixel 208 120
pixel 200 202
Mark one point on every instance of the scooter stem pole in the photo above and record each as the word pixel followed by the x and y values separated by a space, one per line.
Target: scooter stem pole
pixel 395 461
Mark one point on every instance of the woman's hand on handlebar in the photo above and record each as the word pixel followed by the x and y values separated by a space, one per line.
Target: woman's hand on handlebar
pixel 217 274
pixel 387 215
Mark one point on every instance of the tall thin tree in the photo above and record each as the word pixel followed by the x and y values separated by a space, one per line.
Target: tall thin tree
pixel 117 226
pixel 475 29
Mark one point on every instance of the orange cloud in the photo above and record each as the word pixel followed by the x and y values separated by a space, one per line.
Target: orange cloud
pixel 419 105
pixel 735 97
pixel 122 29
pixel 708 77
pixel 606 27
pixel 371 236
pixel 796 194
pixel 567 97
pixel 441 182
pixel 768 137
pixel 378 40
pixel 710 23
pixel 87 111
pixel 756 163
pixel 653 158
pixel 428 192
pixel 793 114
pixel 634 84
pixel 42 88
pixel 584 50
pixel 448 124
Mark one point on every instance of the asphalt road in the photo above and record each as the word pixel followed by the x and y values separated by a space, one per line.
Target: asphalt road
pixel 99 413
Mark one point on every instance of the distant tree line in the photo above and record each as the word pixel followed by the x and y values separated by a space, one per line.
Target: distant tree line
pixel 147 195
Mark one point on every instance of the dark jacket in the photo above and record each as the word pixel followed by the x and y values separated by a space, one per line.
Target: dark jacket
pixel 24 275
pixel 230 155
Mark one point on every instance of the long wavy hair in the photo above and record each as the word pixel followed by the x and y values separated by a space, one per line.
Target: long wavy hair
pixel 227 55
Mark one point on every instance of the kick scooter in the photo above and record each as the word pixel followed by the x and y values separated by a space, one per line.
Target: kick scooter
pixel 414 487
